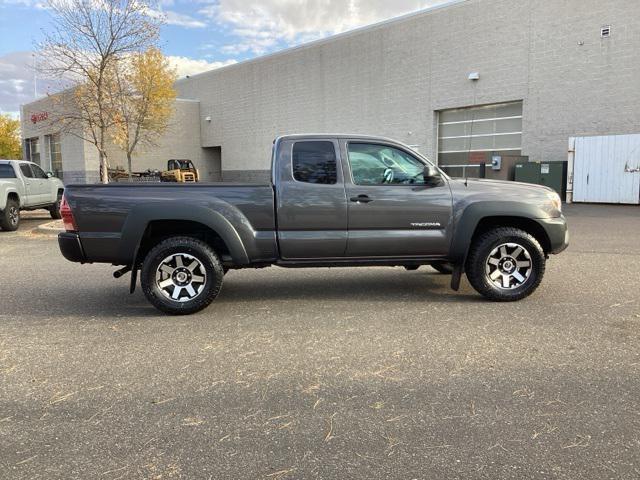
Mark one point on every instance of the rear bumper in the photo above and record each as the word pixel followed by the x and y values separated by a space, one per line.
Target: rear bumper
pixel 558 233
pixel 70 247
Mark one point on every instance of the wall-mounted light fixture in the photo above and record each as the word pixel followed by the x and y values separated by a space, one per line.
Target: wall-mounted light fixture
pixel 207 119
pixel 474 76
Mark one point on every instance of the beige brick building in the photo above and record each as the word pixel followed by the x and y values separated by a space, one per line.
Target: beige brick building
pixel 461 82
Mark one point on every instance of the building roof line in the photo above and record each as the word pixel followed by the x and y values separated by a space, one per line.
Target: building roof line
pixel 331 38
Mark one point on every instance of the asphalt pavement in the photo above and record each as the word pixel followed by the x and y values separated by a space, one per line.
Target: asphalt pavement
pixel 359 373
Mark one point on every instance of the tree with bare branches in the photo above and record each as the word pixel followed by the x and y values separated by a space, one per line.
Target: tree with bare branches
pixel 145 101
pixel 88 44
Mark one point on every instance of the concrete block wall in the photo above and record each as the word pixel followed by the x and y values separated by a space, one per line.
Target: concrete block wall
pixel 180 141
pixel 80 158
pixel 392 79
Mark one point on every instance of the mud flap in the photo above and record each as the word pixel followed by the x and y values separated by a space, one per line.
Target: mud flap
pixel 134 280
pixel 456 277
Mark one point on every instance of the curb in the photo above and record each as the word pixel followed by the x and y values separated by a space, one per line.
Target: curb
pixel 50 228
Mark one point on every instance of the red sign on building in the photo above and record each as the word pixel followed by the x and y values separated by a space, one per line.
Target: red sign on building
pixel 39 117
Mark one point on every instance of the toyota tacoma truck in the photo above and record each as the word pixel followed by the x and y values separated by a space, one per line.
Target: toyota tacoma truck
pixel 25 186
pixel 333 200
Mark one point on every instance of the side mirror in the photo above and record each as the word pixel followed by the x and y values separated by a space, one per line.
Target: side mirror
pixel 432 175
pixel 49 174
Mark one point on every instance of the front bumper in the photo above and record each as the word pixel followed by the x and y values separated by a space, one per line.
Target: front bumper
pixel 71 247
pixel 558 233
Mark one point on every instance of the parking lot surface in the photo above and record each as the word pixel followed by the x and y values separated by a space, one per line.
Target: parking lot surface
pixel 325 373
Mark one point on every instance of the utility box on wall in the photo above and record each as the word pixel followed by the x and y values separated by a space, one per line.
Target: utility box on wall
pixel 502 167
pixel 549 174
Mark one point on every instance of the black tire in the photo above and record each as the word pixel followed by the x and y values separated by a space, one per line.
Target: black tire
pixel 411 268
pixel 189 249
pixel 10 216
pixel 492 241
pixel 443 267
pixel 54 210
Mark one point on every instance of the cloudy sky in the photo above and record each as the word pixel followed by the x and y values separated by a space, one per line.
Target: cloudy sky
pixel 199 35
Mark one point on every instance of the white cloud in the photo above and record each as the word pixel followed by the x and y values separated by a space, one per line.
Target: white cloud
pixel 261 25
pixel 175 18
pixel 17 81
pixel 181 20
pixel 17 77
pixel 189 66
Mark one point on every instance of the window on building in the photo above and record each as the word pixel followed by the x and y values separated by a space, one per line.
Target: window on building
pixel 473 135
pixel 56 155
pixel 33 150
pixel 6 171
pixel 373 164
pixel 315 162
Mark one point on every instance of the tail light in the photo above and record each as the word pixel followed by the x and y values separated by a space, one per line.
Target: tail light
pixel 67 216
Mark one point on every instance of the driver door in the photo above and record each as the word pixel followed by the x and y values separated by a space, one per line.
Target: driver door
pixel 41 186
pixel 391 210
pixel 30 186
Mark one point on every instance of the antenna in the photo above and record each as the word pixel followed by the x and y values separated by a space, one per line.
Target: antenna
pixel 474 77
pixel 35 75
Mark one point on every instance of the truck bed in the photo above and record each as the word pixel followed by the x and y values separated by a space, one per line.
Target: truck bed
pixel 107 215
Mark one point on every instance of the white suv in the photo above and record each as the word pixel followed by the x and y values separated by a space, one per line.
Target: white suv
pixel 25 186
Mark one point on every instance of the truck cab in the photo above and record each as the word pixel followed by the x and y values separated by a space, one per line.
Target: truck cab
pixel 358 197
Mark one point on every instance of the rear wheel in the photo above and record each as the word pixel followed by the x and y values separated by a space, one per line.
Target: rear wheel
pixel 505 264
pixel 181 275
pixel 54 210
pixel 10 216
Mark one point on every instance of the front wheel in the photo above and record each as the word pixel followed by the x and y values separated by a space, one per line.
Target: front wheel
pixel 505 264
pixel 181 275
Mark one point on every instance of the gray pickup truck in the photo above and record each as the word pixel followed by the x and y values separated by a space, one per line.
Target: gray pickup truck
pixel 333 200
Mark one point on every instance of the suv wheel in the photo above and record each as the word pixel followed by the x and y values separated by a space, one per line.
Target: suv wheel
pixel 181 275
pixel 54 209
pixel 10 217
pixel 505 264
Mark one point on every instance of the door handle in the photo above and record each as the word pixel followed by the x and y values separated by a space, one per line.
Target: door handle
pixel 361 199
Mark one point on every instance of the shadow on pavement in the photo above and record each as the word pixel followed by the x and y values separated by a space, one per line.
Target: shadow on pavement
pixel 113 299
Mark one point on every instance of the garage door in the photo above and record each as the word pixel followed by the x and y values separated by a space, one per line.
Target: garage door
pixel 607 169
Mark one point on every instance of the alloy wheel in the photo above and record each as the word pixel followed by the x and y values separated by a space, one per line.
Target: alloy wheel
pixel 508 266
pixel 181 277
pixel 14 215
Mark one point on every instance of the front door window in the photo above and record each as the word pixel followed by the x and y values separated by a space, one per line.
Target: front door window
pixel 373 164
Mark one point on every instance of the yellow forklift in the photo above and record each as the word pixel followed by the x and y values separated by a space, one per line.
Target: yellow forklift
pixel 181 171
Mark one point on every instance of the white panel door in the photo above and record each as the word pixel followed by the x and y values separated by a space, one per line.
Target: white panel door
pixel 606 169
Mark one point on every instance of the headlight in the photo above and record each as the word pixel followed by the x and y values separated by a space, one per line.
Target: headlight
pixel 556 201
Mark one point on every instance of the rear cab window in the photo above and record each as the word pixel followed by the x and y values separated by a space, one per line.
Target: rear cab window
pixel 6 171
pixel 315 162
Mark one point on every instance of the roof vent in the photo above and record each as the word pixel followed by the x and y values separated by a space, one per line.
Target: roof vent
pixel 605 32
